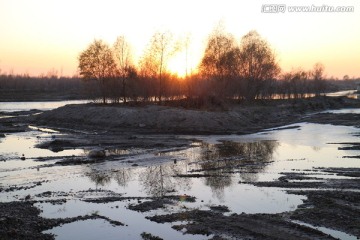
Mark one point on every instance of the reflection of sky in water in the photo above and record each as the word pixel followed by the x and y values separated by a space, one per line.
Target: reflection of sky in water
pixel 99 229
pixel 343 111
pixel 331 232
pixel 26 106
pixel 15 145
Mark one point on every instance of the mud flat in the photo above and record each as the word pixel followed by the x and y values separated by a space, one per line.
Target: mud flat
pixel 332 203
pixel 21 220
pixel 237 118
pixel 145 169
pixel 243 226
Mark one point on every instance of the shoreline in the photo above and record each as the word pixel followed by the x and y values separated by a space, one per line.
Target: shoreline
pixel 155 119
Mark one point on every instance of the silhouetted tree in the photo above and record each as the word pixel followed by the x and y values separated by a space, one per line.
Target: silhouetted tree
pixel 317 74
pixel 257 64
pixel 124 62
pixel 296 83
pixel 97 63
pixel 156 56
pixel 219 60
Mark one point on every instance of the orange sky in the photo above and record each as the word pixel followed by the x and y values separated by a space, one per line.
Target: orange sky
pixel 39 35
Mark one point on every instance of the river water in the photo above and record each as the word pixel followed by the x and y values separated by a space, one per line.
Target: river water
pixel 26 106
pixel 229 163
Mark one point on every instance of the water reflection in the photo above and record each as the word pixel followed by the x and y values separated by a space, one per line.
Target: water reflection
pixel 219 161
pixel 122 176
pixel 27 106
pixel 216 164
pixel 99 178
pixel 103 178
pixel 157 181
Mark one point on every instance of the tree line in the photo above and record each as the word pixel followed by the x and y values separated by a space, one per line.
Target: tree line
pixel 229 69
pixel 46 87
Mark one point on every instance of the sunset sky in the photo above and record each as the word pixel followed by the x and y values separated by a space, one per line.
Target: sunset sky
pixel 39 35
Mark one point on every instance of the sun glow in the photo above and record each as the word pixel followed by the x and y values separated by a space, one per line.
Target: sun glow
pixel 178 66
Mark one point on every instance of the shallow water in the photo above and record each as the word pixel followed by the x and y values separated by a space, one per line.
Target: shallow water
pixel 331 232
pixel 228 165
pixel 343 111
pixel 134 222
pixel 15 146
pixel 347 93
pixel 26 106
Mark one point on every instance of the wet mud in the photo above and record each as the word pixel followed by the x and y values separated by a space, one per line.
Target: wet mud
pixel 331 202
pixel 239 226
pixel 335 209
pixel 21 220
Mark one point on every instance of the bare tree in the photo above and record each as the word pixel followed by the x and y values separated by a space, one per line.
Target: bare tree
pixel 186 45
pixel 124 62
pixel 219 59
pixel 317 74
pixel 156 57
pixel 297 84
pixel 257 64
pixel 97 63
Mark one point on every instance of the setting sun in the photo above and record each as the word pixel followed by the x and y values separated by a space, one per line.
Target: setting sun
pixel 178 65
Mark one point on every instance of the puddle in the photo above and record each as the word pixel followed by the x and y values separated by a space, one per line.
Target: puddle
pixel 344 111
pixel 331 232
pixel 6 117
pixel 100 229
pixel 89 229
pixel 46 130
pixel 17 145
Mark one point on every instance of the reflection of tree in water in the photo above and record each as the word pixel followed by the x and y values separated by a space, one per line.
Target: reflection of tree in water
pixel 249 156
pixel 121 176
pixel 220 160
pixel 159 180
pixel 316 148
pixel 99 178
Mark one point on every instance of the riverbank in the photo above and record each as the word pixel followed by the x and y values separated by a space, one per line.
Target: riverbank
pixel 236 119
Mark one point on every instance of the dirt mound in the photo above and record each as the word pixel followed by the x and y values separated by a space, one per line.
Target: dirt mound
pixel 152 118
pixel 165 119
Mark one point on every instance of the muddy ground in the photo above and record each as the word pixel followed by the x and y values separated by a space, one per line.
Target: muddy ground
pixel 330 203
pixel 237 118
pixel 336 209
